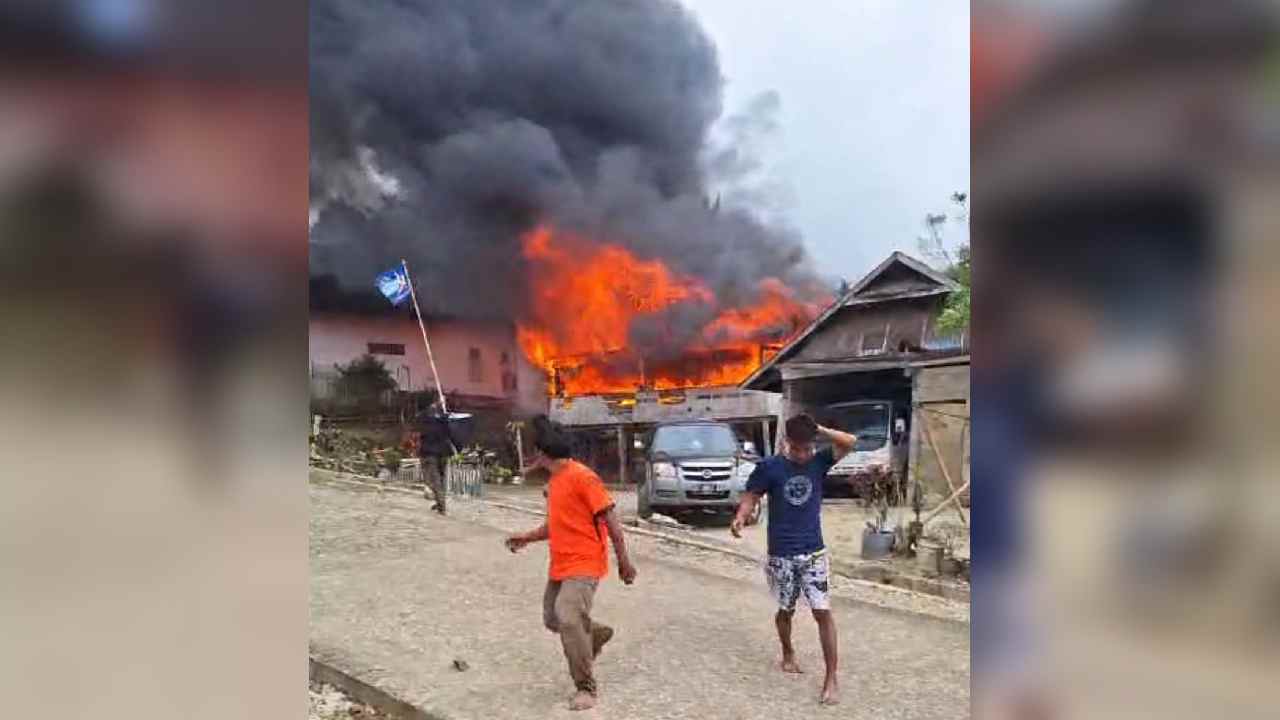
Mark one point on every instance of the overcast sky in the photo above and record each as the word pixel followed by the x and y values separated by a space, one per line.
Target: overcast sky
pixel 874 120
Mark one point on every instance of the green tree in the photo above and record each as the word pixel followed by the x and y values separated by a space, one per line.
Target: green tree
pixel 955 313
pixel 364 381
pixel 957 263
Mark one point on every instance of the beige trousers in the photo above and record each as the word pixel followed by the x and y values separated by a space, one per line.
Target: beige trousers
pixel 566 610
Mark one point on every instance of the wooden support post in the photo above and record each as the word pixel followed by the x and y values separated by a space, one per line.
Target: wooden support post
pixel 914 452
pixel 784 411
pixel 928 435
pixel 520 449
pixel 623 455
pixel 767 450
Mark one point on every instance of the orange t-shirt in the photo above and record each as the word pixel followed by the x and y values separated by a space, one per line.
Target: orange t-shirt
pixel 575 532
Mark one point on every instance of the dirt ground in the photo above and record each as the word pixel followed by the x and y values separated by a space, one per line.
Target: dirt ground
pixel 398 594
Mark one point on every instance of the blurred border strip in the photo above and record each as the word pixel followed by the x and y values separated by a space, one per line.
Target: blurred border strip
pixel 262 42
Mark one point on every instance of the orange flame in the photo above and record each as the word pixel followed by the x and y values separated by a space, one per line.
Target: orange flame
pixel 585 298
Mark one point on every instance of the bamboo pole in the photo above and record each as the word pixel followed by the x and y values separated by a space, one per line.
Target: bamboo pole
pixel 444 404
pixel 941 506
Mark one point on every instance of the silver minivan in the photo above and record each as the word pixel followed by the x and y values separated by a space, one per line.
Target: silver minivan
pixel 694 466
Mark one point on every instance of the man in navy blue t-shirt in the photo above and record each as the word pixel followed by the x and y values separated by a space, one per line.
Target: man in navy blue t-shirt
pixel 798 563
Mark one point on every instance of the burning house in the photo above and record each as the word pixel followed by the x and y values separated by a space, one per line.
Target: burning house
pixel 628 343
pixel 577 212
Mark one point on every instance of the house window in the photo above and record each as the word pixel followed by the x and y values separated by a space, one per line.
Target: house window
pixel 509 382
pixel 873 342
pixel 475 366
pixel 386 348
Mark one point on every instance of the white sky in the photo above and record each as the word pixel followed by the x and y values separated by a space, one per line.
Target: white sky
pixel 874 120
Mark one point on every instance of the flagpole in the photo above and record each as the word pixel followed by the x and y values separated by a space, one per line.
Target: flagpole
pixel 444 405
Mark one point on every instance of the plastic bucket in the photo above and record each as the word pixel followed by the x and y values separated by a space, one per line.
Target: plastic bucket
pixel 876 545
pixel 951 567
pixel 929 557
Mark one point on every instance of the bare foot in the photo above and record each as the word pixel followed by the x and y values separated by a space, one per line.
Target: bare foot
pixel 582 701
pixel 830 692
pixel 789 665
pixel 600 635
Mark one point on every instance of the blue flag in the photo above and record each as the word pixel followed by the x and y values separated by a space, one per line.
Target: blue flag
pixel 394 284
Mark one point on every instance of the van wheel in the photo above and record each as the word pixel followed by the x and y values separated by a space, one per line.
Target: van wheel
pixel 642 502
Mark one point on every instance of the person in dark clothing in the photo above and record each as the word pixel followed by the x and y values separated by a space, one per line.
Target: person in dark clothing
pixel 435 446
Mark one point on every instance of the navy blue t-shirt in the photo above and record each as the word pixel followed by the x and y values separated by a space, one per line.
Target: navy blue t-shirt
pixel 795 501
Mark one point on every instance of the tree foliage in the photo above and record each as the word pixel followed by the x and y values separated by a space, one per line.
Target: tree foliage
pixel 957 263
pixel 364 380
pixel 955 313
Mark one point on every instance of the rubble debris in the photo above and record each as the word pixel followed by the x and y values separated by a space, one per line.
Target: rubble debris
pixel 660 519
pixel 329 703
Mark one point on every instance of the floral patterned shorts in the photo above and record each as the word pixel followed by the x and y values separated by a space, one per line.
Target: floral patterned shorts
pixel 796 575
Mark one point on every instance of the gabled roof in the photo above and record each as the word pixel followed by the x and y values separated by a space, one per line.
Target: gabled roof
pixel 943 282
pixel 938 284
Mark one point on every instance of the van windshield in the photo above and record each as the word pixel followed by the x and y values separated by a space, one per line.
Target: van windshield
pixel 695 440
pixel 870 423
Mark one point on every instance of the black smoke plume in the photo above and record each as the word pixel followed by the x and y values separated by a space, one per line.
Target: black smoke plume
pixel 441 130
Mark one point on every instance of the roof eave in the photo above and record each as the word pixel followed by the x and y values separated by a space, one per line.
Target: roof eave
pixel 905 295
pixel 946 284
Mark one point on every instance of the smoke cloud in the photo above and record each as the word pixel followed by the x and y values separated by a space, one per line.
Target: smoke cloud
pixel 442 130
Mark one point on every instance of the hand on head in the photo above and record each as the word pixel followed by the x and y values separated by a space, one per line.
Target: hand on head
pixel 800 437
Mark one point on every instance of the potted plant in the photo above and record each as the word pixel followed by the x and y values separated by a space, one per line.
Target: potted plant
pixel 501 475
pixel 390 463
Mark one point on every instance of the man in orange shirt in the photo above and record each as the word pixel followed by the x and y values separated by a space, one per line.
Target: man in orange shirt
pixel 579 513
